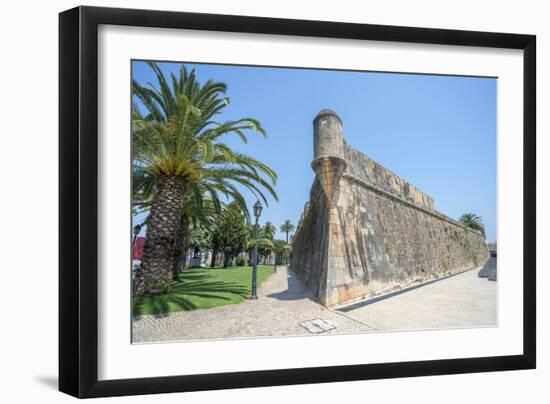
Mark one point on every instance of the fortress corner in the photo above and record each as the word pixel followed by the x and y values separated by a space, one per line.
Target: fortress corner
pixel 366 231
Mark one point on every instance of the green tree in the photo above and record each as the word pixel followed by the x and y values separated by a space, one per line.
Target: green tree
pixel 198 239
pixel 265 248
pixel 178 151
pixel 473 221
pixel 231 233
pixel 287 227
pixel 282 251
pixel 265 241
pixel 266 235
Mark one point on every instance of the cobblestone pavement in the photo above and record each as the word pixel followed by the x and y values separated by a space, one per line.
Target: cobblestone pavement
pixel 284 307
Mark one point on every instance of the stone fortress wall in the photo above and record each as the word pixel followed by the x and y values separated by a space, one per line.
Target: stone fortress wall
pixel 367 231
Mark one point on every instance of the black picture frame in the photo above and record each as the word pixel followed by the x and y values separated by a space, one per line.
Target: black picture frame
pixel 78 201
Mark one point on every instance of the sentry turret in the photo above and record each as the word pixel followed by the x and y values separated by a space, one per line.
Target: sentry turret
pixel 328 151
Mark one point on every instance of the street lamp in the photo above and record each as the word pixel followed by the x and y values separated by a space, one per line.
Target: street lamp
pixel 257 212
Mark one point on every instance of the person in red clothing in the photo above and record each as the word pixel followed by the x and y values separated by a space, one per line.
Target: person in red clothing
pixel 137 250
pixel 137 254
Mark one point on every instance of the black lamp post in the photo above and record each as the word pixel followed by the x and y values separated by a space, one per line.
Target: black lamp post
pixel 257 212
pixel 137 229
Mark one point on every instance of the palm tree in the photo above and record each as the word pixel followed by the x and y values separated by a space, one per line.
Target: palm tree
pixel 201 208
pixel 287 227
pixel 266 234
pixel 268 230
pixel 282 251
pixel 265 241
pixel 178 154
pixel 473 221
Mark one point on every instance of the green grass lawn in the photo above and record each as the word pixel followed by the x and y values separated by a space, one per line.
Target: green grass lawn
pixel 203 288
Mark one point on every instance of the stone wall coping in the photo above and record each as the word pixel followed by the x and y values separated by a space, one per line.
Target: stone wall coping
pixel 352 149
pixel 434 213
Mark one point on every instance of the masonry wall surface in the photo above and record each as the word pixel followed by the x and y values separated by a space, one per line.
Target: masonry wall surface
pixel 379 233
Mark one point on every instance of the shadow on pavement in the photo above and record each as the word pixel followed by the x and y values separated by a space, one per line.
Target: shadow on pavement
pixel 489 270
pixel 296 290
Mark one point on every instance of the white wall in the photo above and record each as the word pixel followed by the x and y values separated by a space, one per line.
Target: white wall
pixel 28 203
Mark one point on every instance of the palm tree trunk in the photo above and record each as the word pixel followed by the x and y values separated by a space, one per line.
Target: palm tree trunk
pixel 160 249
pixel 180 245
pixel 286 236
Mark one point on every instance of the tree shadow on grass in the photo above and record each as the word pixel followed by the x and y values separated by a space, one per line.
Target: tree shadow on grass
pixel 184 293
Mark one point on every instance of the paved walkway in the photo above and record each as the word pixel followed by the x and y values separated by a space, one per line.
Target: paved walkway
pixel 284 307
pixel 461 301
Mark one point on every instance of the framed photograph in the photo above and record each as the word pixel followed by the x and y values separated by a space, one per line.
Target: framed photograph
pixel 250 201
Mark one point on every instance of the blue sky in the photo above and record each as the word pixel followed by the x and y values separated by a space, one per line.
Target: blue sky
pixel 437 132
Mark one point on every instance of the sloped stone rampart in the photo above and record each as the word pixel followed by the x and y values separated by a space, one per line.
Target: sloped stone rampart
pixel 378 233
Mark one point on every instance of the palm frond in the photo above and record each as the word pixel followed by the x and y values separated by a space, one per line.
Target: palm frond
pixel 177 136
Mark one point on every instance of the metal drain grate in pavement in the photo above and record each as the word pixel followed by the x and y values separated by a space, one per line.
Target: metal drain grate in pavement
pixel 318 326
